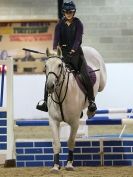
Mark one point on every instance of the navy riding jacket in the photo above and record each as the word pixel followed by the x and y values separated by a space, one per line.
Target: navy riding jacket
pixel 68 35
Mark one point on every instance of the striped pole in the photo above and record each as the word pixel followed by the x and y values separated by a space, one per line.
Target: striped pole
pixel 113 111
pixel 93 121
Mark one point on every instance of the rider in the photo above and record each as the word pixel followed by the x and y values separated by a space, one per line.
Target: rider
pixel 68 35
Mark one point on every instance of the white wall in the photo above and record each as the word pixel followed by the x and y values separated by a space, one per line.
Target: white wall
pixel 28 90
pixel 118 93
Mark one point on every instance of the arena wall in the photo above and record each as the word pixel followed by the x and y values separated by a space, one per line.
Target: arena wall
pixel 107 24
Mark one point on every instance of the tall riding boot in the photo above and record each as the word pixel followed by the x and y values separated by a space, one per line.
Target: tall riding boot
pixel 42 105
pixel 88 85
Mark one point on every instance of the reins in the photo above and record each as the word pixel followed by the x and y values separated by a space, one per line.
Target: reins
pixel 58 96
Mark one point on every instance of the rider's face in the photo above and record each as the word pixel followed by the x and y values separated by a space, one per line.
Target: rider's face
pixel 69 14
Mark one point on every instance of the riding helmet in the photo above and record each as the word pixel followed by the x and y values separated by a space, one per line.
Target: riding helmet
pixel 68 6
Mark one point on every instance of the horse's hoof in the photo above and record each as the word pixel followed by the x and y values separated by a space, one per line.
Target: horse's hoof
pixel 90 114
pixel 55 169
pixel 69 166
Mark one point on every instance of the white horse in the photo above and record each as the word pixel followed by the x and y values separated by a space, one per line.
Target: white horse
pixel 66 100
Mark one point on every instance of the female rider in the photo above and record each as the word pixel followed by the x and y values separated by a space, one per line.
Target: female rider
pixel 68 35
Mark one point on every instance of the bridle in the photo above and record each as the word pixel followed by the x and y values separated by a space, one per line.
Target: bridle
pixel 60 85
pixel 57 76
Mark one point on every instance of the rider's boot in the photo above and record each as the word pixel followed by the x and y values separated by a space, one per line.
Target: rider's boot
pixel 92 106
pixel 89 88
pixel 42 105
pixel 91 109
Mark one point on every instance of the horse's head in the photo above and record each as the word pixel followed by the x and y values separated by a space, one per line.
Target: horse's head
pixel 54 70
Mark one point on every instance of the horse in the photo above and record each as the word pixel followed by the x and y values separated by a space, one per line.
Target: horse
pixel 66 100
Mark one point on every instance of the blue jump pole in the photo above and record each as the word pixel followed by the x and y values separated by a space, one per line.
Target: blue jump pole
pixel 2 85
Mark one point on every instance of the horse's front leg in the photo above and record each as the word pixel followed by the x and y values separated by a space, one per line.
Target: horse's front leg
pixel 71 144
pixel 55 126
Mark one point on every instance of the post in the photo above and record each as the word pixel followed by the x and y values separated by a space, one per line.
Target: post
pixel 10 161
pixel 60 3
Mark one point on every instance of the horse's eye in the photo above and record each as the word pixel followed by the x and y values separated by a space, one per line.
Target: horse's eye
pixel 59 65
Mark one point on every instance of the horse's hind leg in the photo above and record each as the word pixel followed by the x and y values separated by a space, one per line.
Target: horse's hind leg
pixel 56 144
pixel 71 145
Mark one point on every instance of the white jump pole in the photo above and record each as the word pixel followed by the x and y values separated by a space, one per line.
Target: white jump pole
pixel 9 109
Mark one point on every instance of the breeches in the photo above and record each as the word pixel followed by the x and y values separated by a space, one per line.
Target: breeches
pixel 78 63
pixel 73 60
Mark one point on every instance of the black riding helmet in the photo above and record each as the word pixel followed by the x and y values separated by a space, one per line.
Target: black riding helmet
pixel 69 6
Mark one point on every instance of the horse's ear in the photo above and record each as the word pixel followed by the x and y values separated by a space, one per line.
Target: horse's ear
pixel 59 52
pixel 47 52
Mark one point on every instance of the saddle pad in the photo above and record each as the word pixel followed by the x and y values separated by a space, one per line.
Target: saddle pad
pixel 92 76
